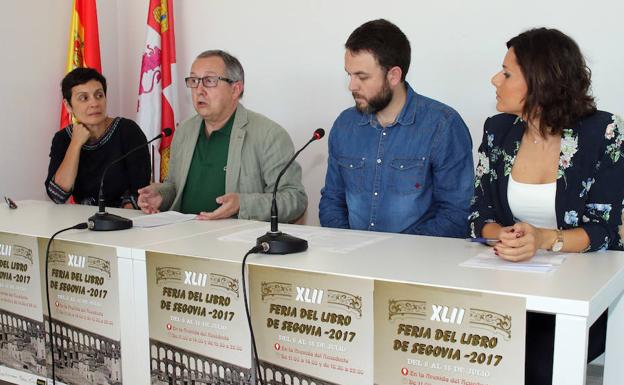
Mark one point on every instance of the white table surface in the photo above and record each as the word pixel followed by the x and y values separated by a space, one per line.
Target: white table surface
pixel 44 218
pixel 571 289
pixel 577 292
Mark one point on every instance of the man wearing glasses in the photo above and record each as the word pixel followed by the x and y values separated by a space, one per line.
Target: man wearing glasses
pixel 225 159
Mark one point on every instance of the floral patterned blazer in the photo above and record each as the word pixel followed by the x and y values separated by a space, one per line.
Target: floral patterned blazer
pixel 590 179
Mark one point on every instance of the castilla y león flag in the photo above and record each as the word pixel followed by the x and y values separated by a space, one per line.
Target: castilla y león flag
pixel 84 43
pixel 157 106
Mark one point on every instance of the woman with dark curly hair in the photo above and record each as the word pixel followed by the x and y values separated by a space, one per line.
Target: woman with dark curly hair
pixel 550 172
pixel 550 166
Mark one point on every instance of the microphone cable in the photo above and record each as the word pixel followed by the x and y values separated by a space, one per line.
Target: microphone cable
pixel 263 247
pixel 79 226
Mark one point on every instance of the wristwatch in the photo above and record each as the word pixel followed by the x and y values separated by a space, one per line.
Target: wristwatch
pixel 558 243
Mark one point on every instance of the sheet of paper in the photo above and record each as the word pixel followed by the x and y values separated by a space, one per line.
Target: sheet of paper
pixel 542 262
pixel 317 237
pixel 161 219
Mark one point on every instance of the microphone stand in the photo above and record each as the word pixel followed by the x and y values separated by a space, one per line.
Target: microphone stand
pixel 103 221
pixel 282 243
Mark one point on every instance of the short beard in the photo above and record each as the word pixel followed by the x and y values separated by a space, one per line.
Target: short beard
pixel 378 102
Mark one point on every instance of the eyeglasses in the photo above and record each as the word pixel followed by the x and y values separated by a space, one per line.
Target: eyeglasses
pixel 207 81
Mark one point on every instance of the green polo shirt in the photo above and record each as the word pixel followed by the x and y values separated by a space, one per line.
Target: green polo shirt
pixel 206 177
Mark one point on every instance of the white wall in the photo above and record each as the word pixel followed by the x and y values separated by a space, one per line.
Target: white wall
pixel 292 51
pixel 29 96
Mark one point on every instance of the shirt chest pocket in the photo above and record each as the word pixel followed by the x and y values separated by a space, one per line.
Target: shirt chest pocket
pixel 407 176
pixel 352 172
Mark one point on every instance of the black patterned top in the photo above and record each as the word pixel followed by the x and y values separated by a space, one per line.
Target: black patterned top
pixel 122 179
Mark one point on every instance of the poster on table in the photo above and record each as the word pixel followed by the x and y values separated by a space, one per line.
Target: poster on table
pixel 22 342
pixel 312 328
pixel 197 326
pixel 84 300
pixel 433 336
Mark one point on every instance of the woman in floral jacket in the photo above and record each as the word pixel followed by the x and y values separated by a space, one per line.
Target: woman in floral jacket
pixel 549 132
pixel 550 173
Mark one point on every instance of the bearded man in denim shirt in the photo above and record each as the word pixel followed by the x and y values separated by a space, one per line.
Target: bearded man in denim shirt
pixel 398 161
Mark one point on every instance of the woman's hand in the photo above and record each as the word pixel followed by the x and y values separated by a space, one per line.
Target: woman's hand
pixel 520 242
pixel 80 134
pixel 65 175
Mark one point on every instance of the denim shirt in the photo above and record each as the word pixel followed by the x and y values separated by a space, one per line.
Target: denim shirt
pixel 413 176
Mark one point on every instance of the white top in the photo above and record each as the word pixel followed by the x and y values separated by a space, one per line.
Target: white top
pixel 533 203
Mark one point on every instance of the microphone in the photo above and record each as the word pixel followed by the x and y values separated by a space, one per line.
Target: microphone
pixel 282 243
pixel 103 221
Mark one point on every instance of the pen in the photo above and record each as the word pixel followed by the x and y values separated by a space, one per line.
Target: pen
pixel 485 241
pixel 10 202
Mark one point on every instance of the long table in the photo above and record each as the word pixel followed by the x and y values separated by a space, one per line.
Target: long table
pixel 577 292
pixel 43 219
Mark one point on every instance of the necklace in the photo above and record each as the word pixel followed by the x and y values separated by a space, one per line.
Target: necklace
pixel 533 138
pixel 529 129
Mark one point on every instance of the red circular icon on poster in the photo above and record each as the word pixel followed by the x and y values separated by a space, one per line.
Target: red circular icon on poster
pixel 56 303
pixel 404 371
pixel 169 327
pixel 277 346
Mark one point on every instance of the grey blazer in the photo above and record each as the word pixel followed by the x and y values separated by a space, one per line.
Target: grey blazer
pixel 259 149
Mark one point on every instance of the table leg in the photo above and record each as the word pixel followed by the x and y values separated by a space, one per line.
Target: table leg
pixel 136 366
pixel 570 357
pixel 614 352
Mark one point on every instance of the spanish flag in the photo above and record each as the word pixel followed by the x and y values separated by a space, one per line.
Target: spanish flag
pixel 84 43
pixel 157 104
